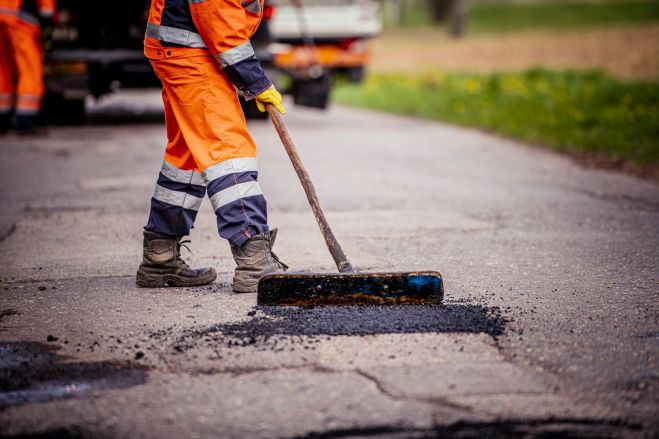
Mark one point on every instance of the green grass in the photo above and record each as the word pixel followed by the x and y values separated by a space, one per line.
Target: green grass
pixel 571 111
pixel 504 16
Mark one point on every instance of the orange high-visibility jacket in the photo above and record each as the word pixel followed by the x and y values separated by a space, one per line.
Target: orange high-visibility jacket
pixel 182 28
pixel 28 11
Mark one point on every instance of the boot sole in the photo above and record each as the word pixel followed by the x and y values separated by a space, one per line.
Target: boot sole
pixel 242 290
pixel 253 288
pixel 171 280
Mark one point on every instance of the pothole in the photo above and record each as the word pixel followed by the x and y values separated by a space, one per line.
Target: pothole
pixel 34 372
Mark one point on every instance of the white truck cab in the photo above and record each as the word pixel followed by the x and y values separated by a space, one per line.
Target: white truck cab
pixel 315 39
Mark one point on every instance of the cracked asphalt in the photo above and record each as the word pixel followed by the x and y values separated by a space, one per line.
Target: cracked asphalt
pixel 550 326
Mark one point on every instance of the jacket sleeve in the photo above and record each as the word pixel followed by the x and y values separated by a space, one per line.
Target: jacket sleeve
pixel 223 25
pixel 46 8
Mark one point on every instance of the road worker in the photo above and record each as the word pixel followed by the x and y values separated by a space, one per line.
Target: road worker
pixel 21 60
pixel 201 52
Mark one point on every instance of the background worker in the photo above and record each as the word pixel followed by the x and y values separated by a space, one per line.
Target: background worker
pixel 23 23
pixel 201 52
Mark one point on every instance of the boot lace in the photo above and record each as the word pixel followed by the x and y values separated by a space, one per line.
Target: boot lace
pixel 279 263
pixel 179 261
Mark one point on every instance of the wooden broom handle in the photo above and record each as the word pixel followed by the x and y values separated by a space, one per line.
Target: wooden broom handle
pixel 333 246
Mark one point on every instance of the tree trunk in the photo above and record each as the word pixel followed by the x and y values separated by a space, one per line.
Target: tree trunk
pixel 440 10
pixel 391 12
pixel 458 18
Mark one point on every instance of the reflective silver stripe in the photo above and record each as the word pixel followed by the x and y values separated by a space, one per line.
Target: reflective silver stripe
pixel 28 17
pixel 253 6
pixel 5 108
pixel 192 2
pixel 180 175
pixel 31 98
pixel 232 166
pixel 174 35
pixel 6 11
pixel 5 96
pixel 234 193
pixel 177 198
pixel 236 54
pixel 27 111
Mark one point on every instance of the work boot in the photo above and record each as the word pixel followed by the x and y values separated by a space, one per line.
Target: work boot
pixel 27 126
pixel 162 265
pixel 255 259
pixel 5 122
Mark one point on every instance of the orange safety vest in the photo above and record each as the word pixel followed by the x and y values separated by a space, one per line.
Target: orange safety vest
pixel 221 28
pixel 27 11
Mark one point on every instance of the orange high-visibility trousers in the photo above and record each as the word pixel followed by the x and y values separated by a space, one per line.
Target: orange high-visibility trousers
pixel 21 67
pixel 209 151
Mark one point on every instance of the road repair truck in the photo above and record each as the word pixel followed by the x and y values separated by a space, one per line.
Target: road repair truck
pixel 96 53
pixel 318 39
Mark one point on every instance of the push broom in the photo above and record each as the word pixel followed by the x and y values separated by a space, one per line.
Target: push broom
pixel 347 287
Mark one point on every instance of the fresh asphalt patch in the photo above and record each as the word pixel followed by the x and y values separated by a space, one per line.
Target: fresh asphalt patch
pixel 308 326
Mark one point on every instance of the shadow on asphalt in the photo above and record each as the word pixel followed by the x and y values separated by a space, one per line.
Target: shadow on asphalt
pixel 540 429
pixel 127 116
pixel 35 372
pixel 124 116
pixel 57 433
pixel 545 429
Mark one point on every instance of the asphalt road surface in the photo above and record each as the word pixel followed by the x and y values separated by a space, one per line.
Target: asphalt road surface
pixel 550 325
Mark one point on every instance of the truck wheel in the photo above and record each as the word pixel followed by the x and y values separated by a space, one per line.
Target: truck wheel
pixel 312 92
pixel 59 110
pixel 250 110
pixel 356 74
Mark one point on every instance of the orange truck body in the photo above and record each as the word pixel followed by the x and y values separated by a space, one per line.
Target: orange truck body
pixel 327 55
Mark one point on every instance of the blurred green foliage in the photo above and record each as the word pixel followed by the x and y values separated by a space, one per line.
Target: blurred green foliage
pixel 506 15
pixel 572 111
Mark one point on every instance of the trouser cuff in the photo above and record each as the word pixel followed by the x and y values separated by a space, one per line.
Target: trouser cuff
pixel 170 220
pixel 245 234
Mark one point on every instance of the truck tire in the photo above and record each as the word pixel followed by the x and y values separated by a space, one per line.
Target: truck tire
pixel 356 74
pixel 312 92
pixel 59 110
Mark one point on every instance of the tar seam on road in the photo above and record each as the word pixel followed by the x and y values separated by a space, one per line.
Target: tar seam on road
pixel 8 233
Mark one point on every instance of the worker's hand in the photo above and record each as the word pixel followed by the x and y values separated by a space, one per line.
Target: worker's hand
pixel 270 96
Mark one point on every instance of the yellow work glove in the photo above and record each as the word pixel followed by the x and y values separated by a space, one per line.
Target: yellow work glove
pixel 270 96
